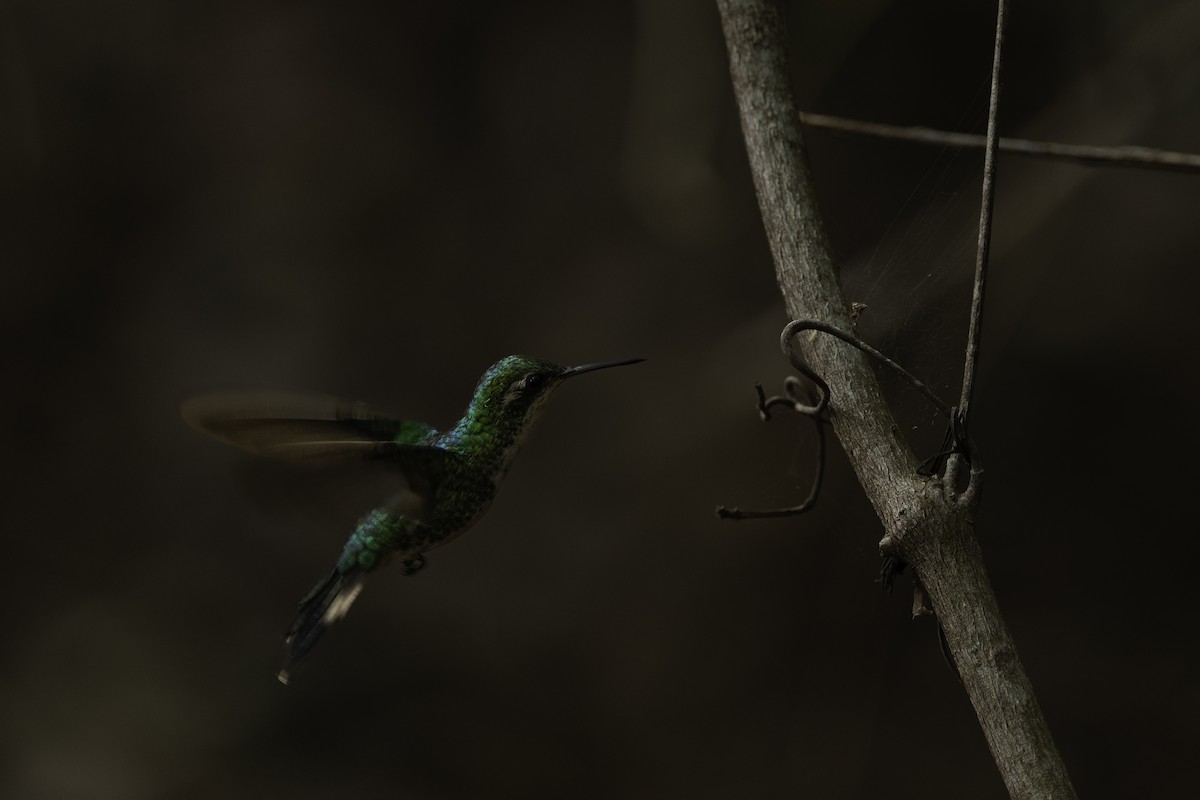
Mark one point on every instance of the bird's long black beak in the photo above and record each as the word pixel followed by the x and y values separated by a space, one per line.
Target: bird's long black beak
pixel 572 371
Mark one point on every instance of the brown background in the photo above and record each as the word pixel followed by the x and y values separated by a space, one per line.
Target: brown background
pixel 378 200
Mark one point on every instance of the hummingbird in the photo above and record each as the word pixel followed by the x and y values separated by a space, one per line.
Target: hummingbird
pixel 445 480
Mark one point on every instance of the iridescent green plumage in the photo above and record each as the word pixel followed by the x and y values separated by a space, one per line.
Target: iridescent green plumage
pixel 448 479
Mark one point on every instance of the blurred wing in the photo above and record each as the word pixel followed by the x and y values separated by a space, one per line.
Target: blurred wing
pixel 300 427
pixel 320 430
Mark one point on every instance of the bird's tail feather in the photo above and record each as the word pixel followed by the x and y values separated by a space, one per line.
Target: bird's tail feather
pixel 328 602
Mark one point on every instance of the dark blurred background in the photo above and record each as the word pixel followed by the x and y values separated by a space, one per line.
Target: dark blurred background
pixel 378 200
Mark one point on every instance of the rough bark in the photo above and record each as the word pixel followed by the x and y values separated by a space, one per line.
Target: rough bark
pixel 923 524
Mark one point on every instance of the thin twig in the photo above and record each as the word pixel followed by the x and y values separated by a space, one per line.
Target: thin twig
pixel 764 405
pixel 986 206
pixel 796 326
pixel 1116 156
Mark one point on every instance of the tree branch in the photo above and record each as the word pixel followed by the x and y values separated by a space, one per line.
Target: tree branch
pixel 935 536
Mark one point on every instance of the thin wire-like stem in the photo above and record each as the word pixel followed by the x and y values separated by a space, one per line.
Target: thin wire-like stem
pixel 815 411
pixel 1118 156
pixel 727 512
pixel 986 206
pixel 796 326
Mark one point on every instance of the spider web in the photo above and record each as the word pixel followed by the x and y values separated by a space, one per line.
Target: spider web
pixel 915 281
pixel 912 268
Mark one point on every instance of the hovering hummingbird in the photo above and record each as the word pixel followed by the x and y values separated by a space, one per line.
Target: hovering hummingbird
pixel 448 478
